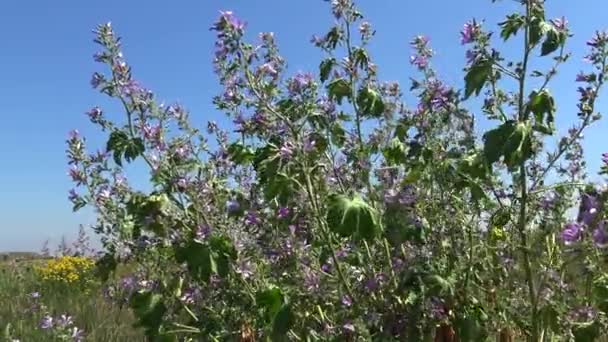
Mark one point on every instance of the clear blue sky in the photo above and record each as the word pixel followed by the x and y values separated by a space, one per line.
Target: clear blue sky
pixel 45 68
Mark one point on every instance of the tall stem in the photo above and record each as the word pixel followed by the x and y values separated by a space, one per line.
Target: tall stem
pixel 358 116
pixel 523 184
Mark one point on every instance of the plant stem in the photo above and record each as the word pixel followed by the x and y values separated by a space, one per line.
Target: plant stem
pixel 521 224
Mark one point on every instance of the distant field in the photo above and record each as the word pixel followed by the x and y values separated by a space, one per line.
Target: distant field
pixel 22 311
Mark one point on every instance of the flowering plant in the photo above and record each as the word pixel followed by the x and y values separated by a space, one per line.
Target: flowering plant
pixel 331 210
pixel 68 270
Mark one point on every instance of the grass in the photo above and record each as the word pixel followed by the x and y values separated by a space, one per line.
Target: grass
pixel 100 319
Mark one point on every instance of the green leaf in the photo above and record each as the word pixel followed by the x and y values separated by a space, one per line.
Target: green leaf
pixel 224 254
pixel 282 322
pixel 198 258
pixel 271 300
pixel 395 152
pixel 352 217
pixel 339 89
pixel 538 26
pixel 325 68
pixel 240 154
pixel 117 144
pixel 338 134
pixel 266 163
pixel 370 102
pixel 134 149
pixel 552 41
pixel 477 77
pixel 332 37
pixel 511 140
pixel 542 105
pixel 149 310
pixel 510 26
pixel 361 58
pixel 121 145
pixel 440 284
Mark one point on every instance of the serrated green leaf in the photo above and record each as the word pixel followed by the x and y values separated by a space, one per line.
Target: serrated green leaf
pixel 338 89
pixel 476 77
pixel 395 152
pixel 325 68
pixel 117 144
pixel 352 217
pixel 271 299
pixel 135 148
pixel 552 42
pixel 240 154
pixel 538 26
pixel 198 258
pixel 511 140
pixel 149 309
pixel 361 58
pixel 511 25
pixel 370 102
pixel 338 134
pixel 542 105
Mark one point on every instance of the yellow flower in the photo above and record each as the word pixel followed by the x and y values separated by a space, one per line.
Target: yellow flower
pixel 67 269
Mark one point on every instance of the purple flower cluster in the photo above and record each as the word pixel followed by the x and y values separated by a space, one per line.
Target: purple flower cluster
pixel 423 52
pixel 470 32
pixel 62 326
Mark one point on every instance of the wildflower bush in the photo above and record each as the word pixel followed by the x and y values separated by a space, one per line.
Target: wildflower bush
pixel 68 270
pixel 331 210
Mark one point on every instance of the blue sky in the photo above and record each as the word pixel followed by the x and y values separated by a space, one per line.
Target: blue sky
pixel 45 68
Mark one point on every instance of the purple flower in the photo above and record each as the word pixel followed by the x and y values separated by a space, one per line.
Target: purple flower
pixel 233 206
pixel 252 218
pixel 95 114
pixel 202 232
pixel 283 212
pixel 127 283
pixel 600 238
pixel 419 41
pixel 346 300
pixel 560 24
pixel 286 151
pixel 420 62
pixel 300 82
pixel 73 196
pixel 437 309
pixel 96 80
pixel 77 175
pixel 228 24
pixel 440 95
pixel 571 233
pixel 191 296
pixel 47 322
pixel 469 32
pixel 74 134
pixel 582 77
pixel 268 69
pixel 548 202
pixel 77 334
pixel 244 268
pixel 348 327
pixel 589 209
pixel 64 321
pixel 365 28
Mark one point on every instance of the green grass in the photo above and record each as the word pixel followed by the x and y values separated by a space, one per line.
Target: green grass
pixel 101 320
